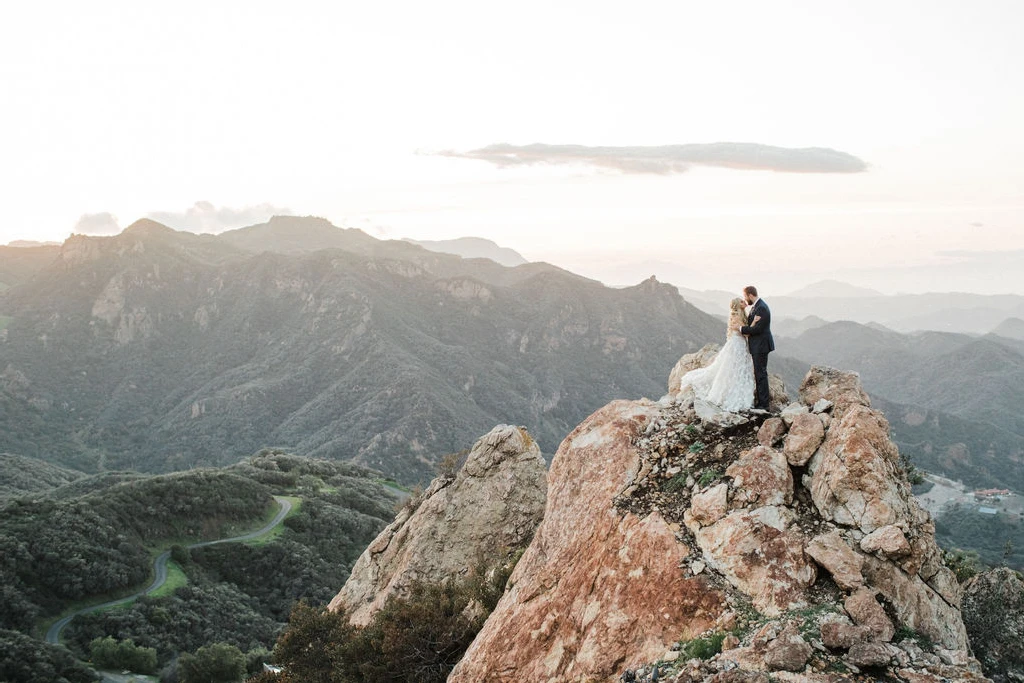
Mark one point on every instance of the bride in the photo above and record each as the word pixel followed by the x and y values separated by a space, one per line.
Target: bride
pixel 728 382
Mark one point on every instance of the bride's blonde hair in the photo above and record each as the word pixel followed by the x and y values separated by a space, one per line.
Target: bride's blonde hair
pixel 737 311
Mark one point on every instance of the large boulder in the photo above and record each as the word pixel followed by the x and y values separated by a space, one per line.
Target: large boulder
pixel 597 585
pixel 761 553
pixel 691 361
pixel 835 386
pixel 489 510
pixel 855 480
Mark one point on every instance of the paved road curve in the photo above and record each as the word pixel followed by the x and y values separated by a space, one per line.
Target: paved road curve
pixel 160 571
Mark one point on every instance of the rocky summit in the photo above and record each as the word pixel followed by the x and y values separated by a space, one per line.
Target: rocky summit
pixel 680 548
pixel 483 514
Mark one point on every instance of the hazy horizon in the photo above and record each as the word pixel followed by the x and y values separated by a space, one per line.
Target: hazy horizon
pixel 711 146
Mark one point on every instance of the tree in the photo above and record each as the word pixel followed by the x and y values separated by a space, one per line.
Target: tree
pixel 217 663
pixel 108 653
pixel 312 645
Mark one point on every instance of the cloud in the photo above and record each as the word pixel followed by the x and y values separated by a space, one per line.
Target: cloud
pixel 205 217
pixel 669 159
pixel 104 223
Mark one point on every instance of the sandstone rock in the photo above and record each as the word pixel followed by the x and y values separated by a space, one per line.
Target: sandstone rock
pixel 841 388
pixel 821 405
pixel 888 540
pixel 771 432
pixel 707 507
pixel 596 586
pixel 777 396
pixel 916 604
pixel 790 412
pixel 855 479
pixel 870 654
pixel 805 435
pixel 835 555
pixel 788 652
pixel 758 554
pixel 864 609
pixel 491 508
pixel 691 361
pixel 841 636
pixel 993 609
pixel 761 477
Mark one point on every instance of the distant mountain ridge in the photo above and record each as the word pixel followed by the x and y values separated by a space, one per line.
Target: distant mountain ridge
pixel 474 247
pixel 160 350
pixel 954 312
pixel 833 289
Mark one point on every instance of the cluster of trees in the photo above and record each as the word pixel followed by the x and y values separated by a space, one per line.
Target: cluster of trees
pixel 24 659
pixel 54 551
pixel 110 653
pixel 419 637
pixel 240 595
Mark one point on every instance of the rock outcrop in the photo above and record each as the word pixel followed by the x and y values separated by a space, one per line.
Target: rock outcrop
pixel 804 544
pixel 486 512
pixel 595 586
pixel 994 615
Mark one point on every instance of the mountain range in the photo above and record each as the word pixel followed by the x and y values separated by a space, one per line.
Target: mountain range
pixel 162 350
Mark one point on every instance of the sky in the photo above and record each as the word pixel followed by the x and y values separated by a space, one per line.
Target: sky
pixel 617 140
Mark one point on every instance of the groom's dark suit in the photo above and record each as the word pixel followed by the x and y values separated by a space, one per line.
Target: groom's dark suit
pixel 760 344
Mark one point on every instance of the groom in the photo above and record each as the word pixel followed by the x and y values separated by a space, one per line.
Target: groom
pixel 760 343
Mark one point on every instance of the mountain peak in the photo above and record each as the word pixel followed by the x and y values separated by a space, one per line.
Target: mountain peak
pixel 297 235
pixel 147 226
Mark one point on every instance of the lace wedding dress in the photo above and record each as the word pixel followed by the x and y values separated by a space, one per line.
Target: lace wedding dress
pixel 728 382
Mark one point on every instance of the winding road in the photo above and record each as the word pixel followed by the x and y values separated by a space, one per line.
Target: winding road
pixel 160 571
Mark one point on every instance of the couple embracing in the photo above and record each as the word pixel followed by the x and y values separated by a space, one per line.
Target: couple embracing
pixel 737 380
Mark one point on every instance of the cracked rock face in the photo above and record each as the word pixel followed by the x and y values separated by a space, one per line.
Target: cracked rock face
pixel 487 511
pixel 595 586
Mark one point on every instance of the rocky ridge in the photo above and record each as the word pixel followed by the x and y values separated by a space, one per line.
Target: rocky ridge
pixel 485 513
pixel 792 544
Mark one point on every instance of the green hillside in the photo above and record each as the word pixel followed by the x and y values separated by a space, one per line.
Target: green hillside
pixel 64 550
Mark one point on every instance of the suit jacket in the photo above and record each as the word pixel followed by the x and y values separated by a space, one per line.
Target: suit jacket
pixel 760 335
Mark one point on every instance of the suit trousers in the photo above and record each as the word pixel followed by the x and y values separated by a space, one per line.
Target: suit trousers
pixel 762 394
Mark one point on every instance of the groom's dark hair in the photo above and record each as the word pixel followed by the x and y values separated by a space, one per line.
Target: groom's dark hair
pixel 751 290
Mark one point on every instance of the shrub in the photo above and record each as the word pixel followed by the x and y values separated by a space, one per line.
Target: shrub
pixel 217 663
pixel 704 647
pixel 708 476
pixel 108 653
pixel 965 564
pixel 417 637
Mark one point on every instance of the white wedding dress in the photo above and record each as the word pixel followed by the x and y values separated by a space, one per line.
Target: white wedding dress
pixel 728 382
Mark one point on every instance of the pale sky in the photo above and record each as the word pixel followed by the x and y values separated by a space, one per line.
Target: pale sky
pixel 337 110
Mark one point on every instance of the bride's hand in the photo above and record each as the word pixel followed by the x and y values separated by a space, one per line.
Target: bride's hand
pixel 756 318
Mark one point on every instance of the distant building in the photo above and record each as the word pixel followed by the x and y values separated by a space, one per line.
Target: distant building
pixel 987 511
